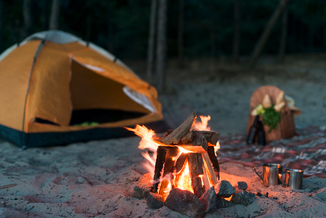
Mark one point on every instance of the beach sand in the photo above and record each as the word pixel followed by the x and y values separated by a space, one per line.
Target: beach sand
pixel 96 179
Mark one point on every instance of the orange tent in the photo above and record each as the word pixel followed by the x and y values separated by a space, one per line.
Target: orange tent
pixel 58 89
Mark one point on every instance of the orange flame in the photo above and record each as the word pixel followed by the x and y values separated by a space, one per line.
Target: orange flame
pixel 203 125
pixel 147 142
pixel 183 178
pixel 217 146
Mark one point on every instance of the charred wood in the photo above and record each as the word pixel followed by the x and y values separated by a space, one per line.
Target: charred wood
pixel 180 162
pixel 213 158
pixel 196 169
pixel 175 136
pixel 172 152
pixel 160 160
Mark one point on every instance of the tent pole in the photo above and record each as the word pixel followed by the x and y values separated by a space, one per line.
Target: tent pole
pixel 38 51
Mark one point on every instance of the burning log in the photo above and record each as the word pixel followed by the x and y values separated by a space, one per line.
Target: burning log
pixel 213 158
pixel 180 162
pixel 210 174
pixel 196 169
pixel 160 160
pixel 172 152
pixel 175 136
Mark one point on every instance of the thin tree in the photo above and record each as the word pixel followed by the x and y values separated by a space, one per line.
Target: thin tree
pixel 151 41
pixel 283 35
pixel 268 29
pixel 27 15
pixel 55 13
pixel 236 34
pixel 180 33
pixel 161 46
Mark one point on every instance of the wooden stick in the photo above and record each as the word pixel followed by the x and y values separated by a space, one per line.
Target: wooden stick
pixel 180 162
pixel 175 136
pixel 214 161
pixel 160 159
pixel 196 168
pixel 210 171
pixel 172 152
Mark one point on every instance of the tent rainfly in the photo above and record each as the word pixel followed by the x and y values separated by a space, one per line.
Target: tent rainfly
pixel 58 89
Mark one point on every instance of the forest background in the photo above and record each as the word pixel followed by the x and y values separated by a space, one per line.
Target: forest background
pixel 228 29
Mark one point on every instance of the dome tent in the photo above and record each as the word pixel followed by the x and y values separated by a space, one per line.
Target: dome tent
pixel 59 89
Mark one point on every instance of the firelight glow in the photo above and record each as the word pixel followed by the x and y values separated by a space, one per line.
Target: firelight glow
pixel 203 125
pixel 181 179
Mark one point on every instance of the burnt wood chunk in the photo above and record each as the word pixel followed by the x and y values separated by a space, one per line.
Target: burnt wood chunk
pixel 170 160
pixel 195 163
pixel 213 158
pixel 175 136
pixel 168 132
pixel 204 143
pixel 211 136
pixel 187 137
pixel 180 162
pixel 214 138
pixel 160 160
pixel 196 169
pixel 209 169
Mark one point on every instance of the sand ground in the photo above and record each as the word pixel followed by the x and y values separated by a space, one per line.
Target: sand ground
pixel 96 179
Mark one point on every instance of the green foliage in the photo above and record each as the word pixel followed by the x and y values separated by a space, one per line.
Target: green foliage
pixel 271 118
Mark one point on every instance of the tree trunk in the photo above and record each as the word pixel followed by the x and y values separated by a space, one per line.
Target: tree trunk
pixel 161 46
pixel 263 38
pixel 236 36
pixel 110 26
pixel 1 23
pixel 27 14
pixel 180 32
pixel 55 13
pixel 151 41
pixel 283 35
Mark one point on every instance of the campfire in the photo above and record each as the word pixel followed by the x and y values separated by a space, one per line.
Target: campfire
pixel 184 158
pixel 183 162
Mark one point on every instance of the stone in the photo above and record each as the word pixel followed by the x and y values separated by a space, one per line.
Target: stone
pixel 244 198
pixel 222 203
pixel 242 185
pixel 154 200
pixel 224 189
pixel 185 202
pixel 209 200
pixel 144 186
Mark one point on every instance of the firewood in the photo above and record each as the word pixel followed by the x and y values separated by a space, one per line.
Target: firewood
pixel 213 158
pixel 209 169
pixel 160 159
pixel 175 136
pixel 211 136
pixel 172 152
pixel 180 162
pixel 168 132
pixel 187 137
pixel 197 149
pixel 195 161
pixel 214 138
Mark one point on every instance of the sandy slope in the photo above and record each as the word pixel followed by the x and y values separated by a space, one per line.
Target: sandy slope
pixel 96 179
